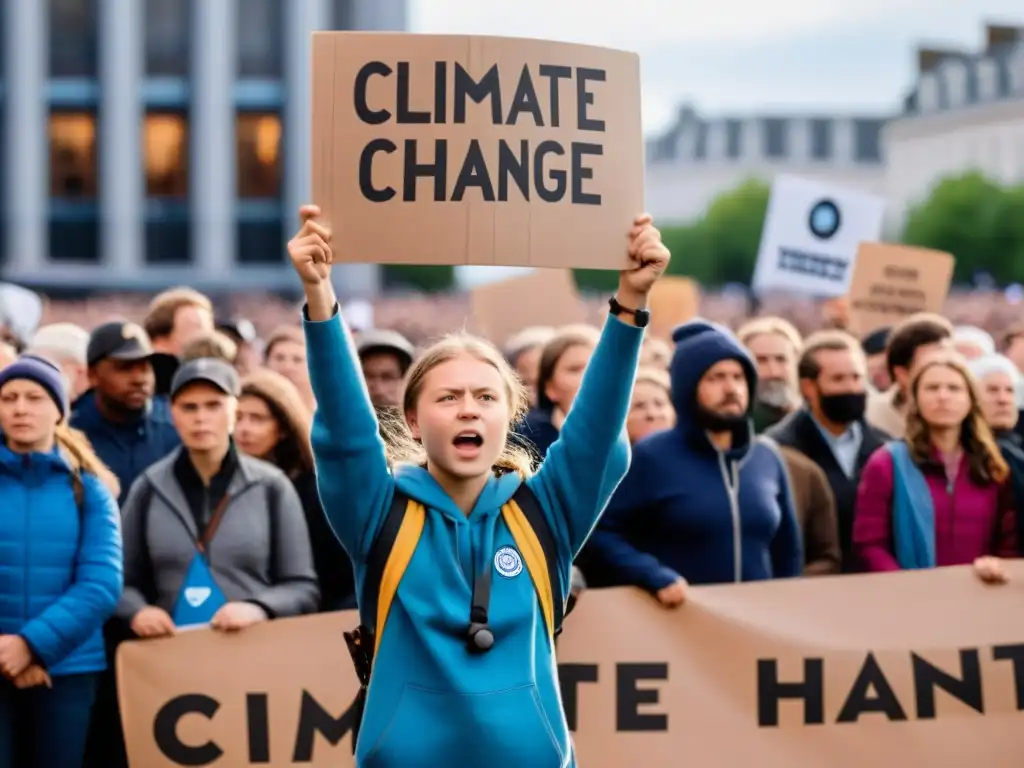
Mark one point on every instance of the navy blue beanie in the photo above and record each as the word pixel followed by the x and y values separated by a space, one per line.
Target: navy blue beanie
pixel 42 372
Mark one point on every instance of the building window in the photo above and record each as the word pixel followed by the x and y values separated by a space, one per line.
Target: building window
pixel 75 234
pixel 73 155
pixel 167 233
pixel 260 38
pixel 166 154
pixel 262 243
pixel 867 141
pixel 73 38
pixel 774 137
pixel 167 35
pixel 821 139
pixel 733 138
pixel 258 152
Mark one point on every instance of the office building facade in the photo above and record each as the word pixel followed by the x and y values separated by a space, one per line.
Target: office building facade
pixel 156 142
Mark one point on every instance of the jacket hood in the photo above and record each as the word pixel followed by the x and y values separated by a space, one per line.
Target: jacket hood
pixel 418 483
pixel 701 344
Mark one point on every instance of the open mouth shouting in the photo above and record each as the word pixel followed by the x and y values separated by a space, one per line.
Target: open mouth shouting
pixel 468 444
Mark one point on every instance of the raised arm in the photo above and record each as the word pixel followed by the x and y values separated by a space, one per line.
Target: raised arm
pixel 589 459
pixel 353 478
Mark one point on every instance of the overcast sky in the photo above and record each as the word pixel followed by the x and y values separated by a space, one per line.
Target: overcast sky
pixel 743 56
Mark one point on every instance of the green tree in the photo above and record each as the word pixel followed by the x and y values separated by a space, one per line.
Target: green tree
pixel 976 220
pixel 718 248
pixel 732 231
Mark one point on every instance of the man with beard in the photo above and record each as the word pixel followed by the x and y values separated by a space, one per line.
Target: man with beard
pixel 830 428
pixel 129 428
pixel 775 345
pixel 704 502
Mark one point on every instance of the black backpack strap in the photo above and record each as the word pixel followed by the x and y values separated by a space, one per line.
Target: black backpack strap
pixel 360 641
pixel 273 510
pixel 378 559
pixel 528 503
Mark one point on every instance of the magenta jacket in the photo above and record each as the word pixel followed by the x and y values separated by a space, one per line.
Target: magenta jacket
pixel 972 521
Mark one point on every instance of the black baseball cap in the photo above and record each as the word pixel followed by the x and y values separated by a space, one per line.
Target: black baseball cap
pixel 118 340
pixel 208 370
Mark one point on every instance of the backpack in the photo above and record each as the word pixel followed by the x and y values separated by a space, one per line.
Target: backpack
pixel 393 548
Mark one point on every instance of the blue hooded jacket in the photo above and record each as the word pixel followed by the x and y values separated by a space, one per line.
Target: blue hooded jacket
pixel 60 566
pixel 430 702
pixel 687 509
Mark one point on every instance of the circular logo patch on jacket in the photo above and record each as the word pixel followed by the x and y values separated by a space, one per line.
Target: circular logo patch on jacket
pixel 508 562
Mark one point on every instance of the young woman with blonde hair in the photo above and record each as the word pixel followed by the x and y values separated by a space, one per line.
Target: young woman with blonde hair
pixel 941 495
pixel 463 652
pixel 61 560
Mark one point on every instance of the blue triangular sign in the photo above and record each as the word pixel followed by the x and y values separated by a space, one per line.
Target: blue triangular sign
pixel 200 597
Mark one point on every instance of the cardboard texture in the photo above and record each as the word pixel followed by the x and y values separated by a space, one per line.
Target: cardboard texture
pixel 644 686
pixel 672 301
pixel 890 282
pixel 386 102
pixel 544 297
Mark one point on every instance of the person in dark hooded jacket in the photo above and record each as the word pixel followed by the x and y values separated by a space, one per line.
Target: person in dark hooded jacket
pixel 704 502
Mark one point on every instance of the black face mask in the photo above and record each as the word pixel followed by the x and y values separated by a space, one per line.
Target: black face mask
pixel 713 422
pixel 844 408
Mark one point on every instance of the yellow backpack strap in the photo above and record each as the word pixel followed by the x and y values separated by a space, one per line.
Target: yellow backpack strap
pixel 390 556
pixel 536 543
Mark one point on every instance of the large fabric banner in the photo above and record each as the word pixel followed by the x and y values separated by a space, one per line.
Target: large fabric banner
pixel 921 668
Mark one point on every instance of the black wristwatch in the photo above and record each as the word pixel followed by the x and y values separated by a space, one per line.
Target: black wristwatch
pixel 641 317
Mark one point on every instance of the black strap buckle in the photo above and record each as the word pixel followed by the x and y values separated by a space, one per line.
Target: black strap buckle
pixel 360 648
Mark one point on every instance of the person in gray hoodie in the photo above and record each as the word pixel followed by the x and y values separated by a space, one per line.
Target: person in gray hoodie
pixel 213 536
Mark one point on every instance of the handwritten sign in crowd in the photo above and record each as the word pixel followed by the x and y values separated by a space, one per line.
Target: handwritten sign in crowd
pixel 783 674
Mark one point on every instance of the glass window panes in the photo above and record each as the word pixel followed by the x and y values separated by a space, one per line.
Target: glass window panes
pixel 166 154
pixel 258 142
pixel 261 242
pixel 167 36
pixel 733 138
pixel 74 237
pixel 73 37
pixel 260 38
pixel 821 139
pixel 167 238
pixel 73 155
pixel 868 140
pixel 775 137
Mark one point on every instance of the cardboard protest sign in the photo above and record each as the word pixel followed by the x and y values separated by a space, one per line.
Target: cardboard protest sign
pixel 891 282
pixel 672 301
pixel 810 236
pixel 448 149
pixel 845 671
pixel 542 297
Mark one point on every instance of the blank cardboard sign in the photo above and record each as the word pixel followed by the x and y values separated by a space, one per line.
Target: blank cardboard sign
pixel 543 297
pixel 890 282
pixel 452 149
pixel 672 301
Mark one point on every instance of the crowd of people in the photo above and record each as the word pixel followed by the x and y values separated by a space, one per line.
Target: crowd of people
pixel 163 474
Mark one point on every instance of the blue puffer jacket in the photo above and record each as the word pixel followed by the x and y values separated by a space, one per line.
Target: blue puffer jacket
pixel 60 566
